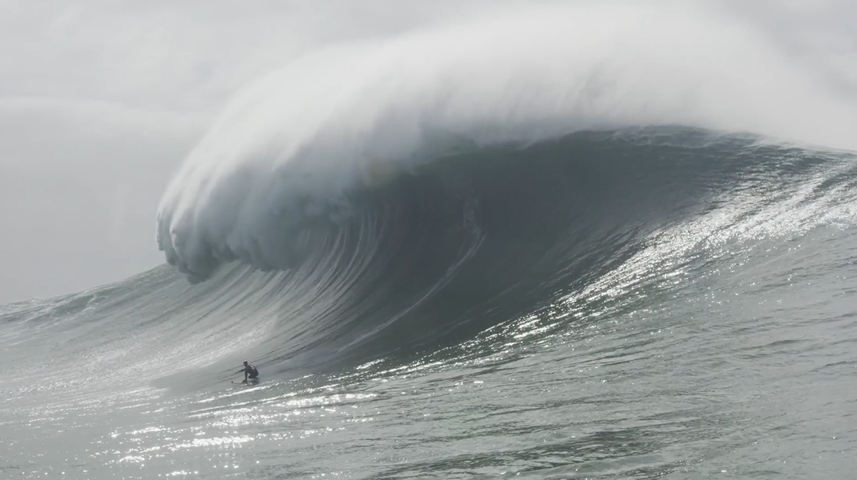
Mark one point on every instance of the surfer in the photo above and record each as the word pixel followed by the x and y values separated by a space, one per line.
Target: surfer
pixel 250 371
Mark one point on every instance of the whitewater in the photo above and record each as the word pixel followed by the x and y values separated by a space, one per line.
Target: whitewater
pixel 552 242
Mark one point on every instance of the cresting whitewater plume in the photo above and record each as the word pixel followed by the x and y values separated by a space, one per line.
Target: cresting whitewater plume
pixel 602 240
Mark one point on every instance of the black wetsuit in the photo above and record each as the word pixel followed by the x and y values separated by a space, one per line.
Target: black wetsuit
pixel 251 371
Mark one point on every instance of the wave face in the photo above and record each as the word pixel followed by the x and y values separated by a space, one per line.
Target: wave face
pixel 427 259
pixel 430 258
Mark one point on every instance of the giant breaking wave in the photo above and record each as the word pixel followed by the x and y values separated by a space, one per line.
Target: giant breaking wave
pixel 278 170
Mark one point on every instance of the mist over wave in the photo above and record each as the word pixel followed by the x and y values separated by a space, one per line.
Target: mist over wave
pixel 282 160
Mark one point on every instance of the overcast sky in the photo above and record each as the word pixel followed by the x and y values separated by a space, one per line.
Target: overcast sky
pixel 101 100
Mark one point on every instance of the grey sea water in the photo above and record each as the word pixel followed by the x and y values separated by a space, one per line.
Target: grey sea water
pixel 600 308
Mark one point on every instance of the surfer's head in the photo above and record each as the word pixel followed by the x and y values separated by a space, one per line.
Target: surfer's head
pixel 245 362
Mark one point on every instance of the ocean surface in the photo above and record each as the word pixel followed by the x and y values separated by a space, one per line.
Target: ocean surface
pixel 665 302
